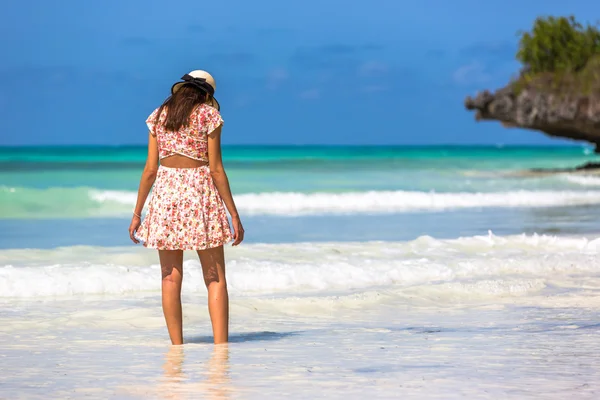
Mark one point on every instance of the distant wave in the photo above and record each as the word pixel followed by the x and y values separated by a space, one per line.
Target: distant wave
pixel 583 180
pixel 405 201
pixel 89 202
pixel 476 267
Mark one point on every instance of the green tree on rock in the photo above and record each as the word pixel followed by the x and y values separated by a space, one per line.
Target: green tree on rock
pixel 558 45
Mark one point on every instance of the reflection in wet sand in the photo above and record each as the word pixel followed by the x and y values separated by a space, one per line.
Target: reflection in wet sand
pixel 174 378
pixel 211 382
pixel 218 373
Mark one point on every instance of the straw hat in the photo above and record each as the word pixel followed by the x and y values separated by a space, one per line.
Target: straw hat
pixel 203 81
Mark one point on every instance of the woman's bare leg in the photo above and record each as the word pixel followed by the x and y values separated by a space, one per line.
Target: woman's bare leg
pixel 213 269
pixel 171 263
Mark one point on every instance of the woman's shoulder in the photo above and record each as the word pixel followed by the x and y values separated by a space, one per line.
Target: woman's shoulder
pixel 206 109
pixel 208 116
pixel 205 112
pixel 152 119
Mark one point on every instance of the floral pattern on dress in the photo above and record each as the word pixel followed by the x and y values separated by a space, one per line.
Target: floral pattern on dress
pixel 191 141
pixel 185 212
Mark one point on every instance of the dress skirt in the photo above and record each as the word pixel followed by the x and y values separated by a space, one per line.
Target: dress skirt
pixel 185 212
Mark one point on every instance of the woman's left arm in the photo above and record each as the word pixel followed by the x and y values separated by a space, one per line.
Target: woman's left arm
pixel 146 182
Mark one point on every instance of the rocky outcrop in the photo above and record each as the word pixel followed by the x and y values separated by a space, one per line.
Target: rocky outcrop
pixel 564 114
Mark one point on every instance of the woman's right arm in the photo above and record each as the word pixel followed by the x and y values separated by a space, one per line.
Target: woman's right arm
pixel 146 182
pixel 217 171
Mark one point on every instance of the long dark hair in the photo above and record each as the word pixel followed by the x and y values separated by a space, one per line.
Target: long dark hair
pixel 180 106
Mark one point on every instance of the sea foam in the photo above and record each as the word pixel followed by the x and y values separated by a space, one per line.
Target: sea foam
pixel 89 202
pixel 480 266
pixel 583 180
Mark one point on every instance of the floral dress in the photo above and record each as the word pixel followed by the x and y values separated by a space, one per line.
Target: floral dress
pixel 185 211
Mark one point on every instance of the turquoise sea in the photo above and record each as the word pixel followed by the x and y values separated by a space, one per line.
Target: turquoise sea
pixel 387 272
pixel 302 193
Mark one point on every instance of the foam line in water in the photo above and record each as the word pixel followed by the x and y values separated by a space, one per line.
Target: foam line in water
pixel 481 266
pixel 89 202
pixel 583 180
pixel 405 201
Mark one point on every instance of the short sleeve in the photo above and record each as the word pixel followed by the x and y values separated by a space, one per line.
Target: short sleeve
pixel 213 120
pixel 151 121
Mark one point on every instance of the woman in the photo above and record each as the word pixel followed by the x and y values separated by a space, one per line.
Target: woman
pixel 186 208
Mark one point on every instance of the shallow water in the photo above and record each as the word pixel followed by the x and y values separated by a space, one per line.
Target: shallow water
pixel 508 350
pixel 509 316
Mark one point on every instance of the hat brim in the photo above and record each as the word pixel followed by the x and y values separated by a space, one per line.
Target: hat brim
pixel 213 102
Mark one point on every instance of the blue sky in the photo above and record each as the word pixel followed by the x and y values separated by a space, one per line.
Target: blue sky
pixel 288 72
